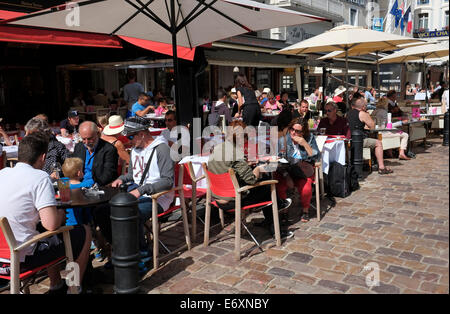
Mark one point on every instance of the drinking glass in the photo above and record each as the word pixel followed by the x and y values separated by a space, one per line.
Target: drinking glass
pixel 55 167
pixel 12 139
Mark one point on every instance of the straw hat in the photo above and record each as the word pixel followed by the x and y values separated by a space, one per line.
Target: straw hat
pixel 115 125
pixel 266 90
pixel 341 89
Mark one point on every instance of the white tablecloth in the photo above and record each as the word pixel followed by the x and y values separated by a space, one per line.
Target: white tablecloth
pixel 197 161
pixel 11 151
pixel 333 152
pixel 67 141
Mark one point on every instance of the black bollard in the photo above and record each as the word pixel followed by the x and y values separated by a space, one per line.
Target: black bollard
pixel 125 242
pixel 357 151
pixel 445 142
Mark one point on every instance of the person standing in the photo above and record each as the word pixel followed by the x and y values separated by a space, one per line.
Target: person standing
pixel 248 104
pixel 132 90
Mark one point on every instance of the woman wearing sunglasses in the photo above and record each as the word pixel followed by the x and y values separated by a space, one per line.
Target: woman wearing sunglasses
pixel 302 152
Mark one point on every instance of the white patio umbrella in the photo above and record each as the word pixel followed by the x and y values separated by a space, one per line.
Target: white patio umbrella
pixel 187 23
pixel 423 53
pixel 348 38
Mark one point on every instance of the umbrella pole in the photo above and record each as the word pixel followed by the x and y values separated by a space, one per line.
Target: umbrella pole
pixel 424 82
pixel 175 62
pixel 346 78
pixel 378 74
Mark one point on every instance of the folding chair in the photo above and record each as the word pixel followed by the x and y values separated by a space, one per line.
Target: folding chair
pixel 9 249
pixel 178 189
pixel 226 185
pixel 192 192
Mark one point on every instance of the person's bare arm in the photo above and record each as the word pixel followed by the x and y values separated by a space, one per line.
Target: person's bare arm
pixel 240 101
pixel 5 137
pixel 365 117
pixel 52 218
pixel 143 112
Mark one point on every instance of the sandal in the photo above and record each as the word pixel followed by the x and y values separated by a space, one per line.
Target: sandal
pixel 385 171
pixel 305 217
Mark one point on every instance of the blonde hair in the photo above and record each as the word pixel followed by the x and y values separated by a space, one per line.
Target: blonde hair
pixel 103 120
pixel 71 167
pixel 382 103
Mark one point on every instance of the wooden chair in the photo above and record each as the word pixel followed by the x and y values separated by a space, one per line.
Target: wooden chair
pixel 178 189
pixel 9 249
pixel 226 185
pixel 192 192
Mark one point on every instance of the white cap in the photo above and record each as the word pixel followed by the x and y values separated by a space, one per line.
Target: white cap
pixel 233 90
pixel 266 90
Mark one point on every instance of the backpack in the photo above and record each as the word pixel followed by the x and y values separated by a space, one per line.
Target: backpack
pixel 342 180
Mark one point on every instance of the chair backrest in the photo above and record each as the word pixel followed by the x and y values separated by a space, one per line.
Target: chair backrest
pixel 7 239
pixel 103 111
pixel 220 184
pixel 186 175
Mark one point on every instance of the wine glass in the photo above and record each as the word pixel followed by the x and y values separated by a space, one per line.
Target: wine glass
pixel 55 167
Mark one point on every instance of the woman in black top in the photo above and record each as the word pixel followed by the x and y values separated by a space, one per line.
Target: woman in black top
pixel 248 105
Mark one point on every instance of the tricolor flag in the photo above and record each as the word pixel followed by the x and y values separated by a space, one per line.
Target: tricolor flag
pixel 408 18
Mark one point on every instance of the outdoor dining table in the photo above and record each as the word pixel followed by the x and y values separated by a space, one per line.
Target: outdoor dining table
pixel 333 149
pixel 80 198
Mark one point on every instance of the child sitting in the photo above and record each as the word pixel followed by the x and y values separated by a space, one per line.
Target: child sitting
pixel 73 169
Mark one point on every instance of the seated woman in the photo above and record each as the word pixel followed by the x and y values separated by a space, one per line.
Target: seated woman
pixel 162 106
pixel 111 133
pixel 302 152
pixel 224 157
pixel 380 114
pixel 272 103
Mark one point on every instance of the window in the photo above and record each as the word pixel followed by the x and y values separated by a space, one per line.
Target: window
pixel 353 17
pixel 420 2
pixel 287 82
pixel 446 19
pixel 423 21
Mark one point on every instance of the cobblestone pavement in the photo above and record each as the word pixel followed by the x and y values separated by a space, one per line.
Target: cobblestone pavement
pixel 398 221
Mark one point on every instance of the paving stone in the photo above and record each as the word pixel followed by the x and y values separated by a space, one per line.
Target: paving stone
pixel 331 226
pixel 355 280
pixel 411 256
pixel 434 288
pixel 386 289
pixel 434 261
pixel 387 251
pixel 299 257
pixel 400 270
pixel 333 285
pixel 436 237
pixel 281 272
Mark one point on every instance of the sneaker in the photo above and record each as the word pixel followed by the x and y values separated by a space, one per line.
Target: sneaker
pixel 284 204
pixel 284 234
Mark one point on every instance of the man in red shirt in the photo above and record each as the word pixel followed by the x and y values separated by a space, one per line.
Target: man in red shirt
pixel 334 124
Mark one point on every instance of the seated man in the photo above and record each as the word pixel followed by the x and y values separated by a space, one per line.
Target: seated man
pixel 393 107
pixel 141 107
pixel 27 197
pixel 218 109
pixel 303 111
pixel 171 123
pixel 334 124
pixel 219 163
pixel 70 125
pixel 359 119
pixel 100 158
pixel 151 171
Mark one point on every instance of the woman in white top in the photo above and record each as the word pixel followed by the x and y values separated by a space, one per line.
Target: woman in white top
pixel 380 114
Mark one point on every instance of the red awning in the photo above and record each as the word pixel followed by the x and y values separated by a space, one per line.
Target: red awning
pixel 182 52
pixel 57 37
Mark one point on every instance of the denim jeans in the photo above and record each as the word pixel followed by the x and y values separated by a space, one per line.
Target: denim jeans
pixel 145 206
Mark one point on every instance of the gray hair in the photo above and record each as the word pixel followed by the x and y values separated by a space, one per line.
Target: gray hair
pixel 331 104
pixel 37 125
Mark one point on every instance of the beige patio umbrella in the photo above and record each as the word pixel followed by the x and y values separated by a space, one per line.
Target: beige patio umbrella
pixel 423 53
pixel 348 38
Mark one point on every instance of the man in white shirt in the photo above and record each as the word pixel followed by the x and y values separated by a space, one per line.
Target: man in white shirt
pixel 171 137
pixel 158 177
pixel 27 197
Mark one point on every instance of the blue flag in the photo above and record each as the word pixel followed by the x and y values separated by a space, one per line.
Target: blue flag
pixel 395 11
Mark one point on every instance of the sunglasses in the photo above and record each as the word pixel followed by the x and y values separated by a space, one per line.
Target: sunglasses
pixel 299 132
